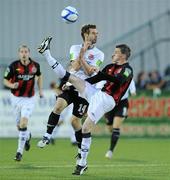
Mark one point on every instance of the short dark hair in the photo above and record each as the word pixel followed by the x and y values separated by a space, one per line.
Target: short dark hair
pixel 125 49
pixel 85 29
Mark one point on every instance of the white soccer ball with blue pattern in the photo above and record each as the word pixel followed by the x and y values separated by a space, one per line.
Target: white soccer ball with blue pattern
pixel 69 14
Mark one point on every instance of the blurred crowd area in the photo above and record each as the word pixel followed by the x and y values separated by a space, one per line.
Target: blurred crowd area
pixel 154 81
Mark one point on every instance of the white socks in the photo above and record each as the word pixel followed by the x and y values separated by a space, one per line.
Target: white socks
pixel 21 141
pixel 57 67
pixel 28 135
pixel 48 135
pixel 85 146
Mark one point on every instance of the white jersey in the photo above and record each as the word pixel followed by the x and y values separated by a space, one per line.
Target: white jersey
pixel 131 89
pixel 93 57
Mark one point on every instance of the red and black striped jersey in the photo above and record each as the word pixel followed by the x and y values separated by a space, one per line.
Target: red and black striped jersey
pixel 24 75
pixel 118 78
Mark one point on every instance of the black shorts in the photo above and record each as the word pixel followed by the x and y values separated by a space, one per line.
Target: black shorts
pixel 119 110
pixel 80 105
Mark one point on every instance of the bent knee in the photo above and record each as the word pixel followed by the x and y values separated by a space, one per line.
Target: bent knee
pixel 23 123
pixel 76 123
pixel 86 129
pixel 58 109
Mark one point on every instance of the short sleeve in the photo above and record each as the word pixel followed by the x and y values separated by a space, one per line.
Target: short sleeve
pixel 74 53
pixel 100 59
pixel 8 73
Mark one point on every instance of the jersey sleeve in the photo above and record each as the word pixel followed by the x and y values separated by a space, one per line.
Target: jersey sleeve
pixel 100 59
pixel 104 70
pixel 9 73
pixel 96 78
pixel 73 53
pixel 125 74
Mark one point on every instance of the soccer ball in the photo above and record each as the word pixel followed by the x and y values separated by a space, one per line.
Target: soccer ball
pixel 69 14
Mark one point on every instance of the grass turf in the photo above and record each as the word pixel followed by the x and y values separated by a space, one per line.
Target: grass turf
pixel 134 159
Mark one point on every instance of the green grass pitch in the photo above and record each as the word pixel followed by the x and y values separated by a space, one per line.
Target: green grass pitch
pixel 134 159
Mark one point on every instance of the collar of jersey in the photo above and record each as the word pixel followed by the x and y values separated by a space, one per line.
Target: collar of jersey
pixel 89 47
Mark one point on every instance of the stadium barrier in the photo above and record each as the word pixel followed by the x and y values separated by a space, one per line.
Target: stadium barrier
pixel 38 120
pixel 147 116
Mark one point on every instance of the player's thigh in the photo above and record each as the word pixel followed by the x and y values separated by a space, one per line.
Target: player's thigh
pixel 109 116
pixel 100 104
pixel 16 108
pixel 109 127
pixel 60 105
pixel 17 115
pixel 117 122
pixel 27 108
pixel 78 83
pixel 75 122
pixel 89 91
pixel 80 106
pixel 120 113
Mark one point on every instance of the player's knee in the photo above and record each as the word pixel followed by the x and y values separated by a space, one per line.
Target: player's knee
pixel 76 126
pixel 117 122
pixel 116 126
pixel 58 109
pixel 75 122
pixel 88 125
pixel 109 127
pixel 86 129
pixel 23 124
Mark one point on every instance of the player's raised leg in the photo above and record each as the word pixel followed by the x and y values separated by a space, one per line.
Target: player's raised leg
pixel 44 49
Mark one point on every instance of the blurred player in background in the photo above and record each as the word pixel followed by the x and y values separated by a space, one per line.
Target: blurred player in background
pixel 92 59
pixel 118 77
pixel 20 77
pixel 116 116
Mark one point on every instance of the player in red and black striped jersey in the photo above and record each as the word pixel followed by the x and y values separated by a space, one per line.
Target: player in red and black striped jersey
pixel 24 76
pixel 20 77
pixel 118 76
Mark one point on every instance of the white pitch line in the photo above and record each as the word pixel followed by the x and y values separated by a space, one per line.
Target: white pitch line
pixel 92 166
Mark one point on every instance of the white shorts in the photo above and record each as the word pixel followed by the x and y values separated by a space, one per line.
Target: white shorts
pixel 99 102
pixel 22 107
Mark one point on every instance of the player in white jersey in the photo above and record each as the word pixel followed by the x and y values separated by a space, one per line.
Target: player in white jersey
pixel 93 58
pixel 118 77
pixel 116 116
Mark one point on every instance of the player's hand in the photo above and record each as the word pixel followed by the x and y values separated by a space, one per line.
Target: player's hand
pixel 86 45
pixel 65 87
pixel 94 69
pixel 15 85
pixel 52 85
